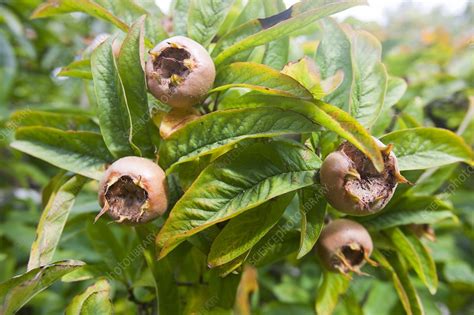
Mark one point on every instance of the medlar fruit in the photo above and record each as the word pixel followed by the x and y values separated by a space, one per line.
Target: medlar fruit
pixel 179 72
pixel 351 183
pixel 133 190
pixel 423 230
pixel 344 246
pixel 176 119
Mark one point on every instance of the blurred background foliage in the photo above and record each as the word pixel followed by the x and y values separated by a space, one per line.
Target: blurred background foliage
pixel 433 52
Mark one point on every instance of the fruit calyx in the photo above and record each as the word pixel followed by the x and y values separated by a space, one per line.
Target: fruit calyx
pixel 350 258
pixel 133 191
pixel 364 183
pixel 125 192
pixel 353 185
pixel 180 72
pixel 344 246
pixel 423 230
pixel 172 65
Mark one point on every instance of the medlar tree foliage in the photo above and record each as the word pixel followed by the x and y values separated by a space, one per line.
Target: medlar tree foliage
pixel 237 162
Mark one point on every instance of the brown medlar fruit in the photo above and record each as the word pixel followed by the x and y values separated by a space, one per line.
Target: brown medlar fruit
pixel 423 230
pixel 352 184
pixel 179 72
pixel 133 190
pixel 176 119
pixel 344 246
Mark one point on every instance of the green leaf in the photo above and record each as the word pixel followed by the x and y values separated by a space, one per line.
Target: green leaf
pixel 128 10
pixel 151 7
pixel 85 272
pixel 260 78
pixel 163 273
pixel 234 12
pixel 130 67
pixel 231 266
pixel 283 24
pixel 77 69
pixel 334 54
pixel 459 274
pixel 358 54
pixel 225 128
pixel 55 7
pixel 396 87
pixel 8 67
pixel 237 182
pixel 205 18
pixel 281 241
pixel 114 116
pixel 427 262
pixel 326 115
pixel 276 52
pixel 80 152
pixel 203 240
pixel 53 219
pixel 17 291
pixel 180 17
pixel 370 78
pixel 380 291
pixel 256 54
pixel 166 283
pixel 331 288
pixel 406 291
pixel 432 180
pixel 106 244
pixel 231 242
pixel 51 187
pixel 12 21
pixel 59 120
pixel 312 209
pixel 415 203
pixel 419 260
pixel 155 23
pixel 397 218
pixel 94 300
pixel 422 148
pixel 351 303
pixel 16 26
pixel 252 10
pixel 237 34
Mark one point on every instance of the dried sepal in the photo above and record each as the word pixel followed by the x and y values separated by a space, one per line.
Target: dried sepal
pixel 179 72
pixel 133 191
pixel 344 246
pixel 353 185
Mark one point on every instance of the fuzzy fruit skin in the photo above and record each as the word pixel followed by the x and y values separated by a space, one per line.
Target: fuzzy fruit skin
pixel 340 233
pixel 151 177
pixel 194 86
pixel 333 175
pixel 177 119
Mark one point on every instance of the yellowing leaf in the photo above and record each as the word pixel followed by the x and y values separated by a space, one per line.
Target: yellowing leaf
pixel 248 285
pixel 306 72
pixel 260 78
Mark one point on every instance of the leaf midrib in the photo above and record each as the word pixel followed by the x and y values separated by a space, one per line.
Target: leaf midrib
pixel 229 216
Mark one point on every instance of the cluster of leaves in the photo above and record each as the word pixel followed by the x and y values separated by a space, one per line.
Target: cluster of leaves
pixel 243 177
